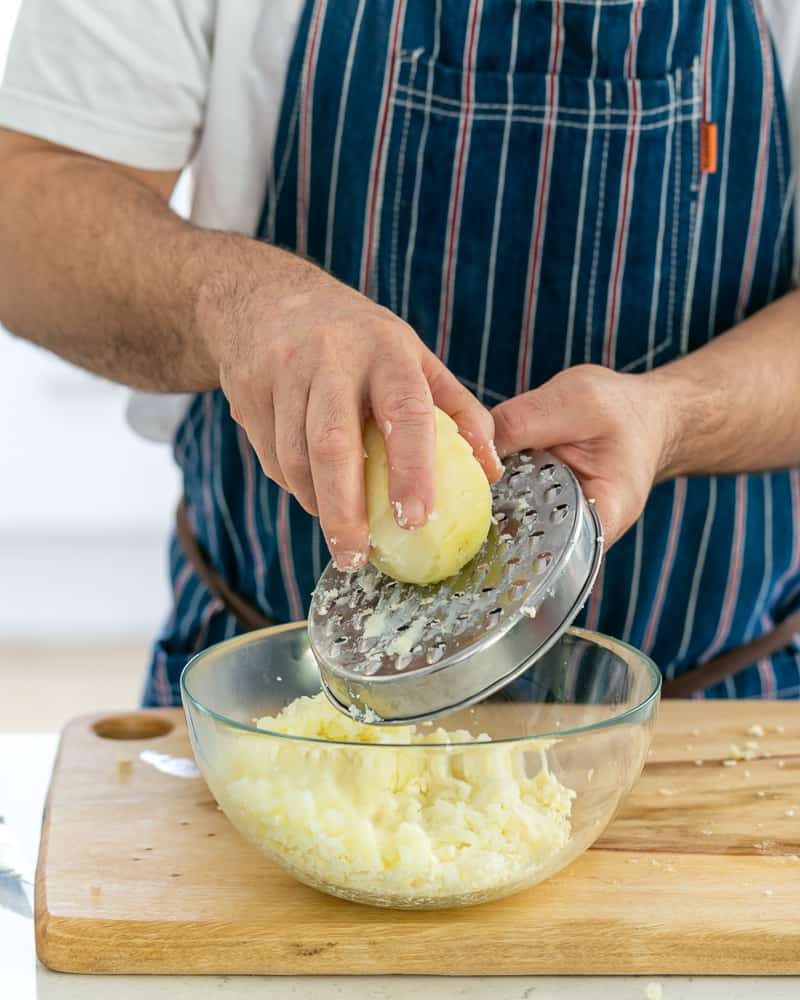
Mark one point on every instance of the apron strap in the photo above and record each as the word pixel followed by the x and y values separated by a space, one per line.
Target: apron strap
pixel 247 614
pixel 733 660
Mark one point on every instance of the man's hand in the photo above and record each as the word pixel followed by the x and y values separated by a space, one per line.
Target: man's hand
pixel 610 429
pixel 98 269
pixel 303 362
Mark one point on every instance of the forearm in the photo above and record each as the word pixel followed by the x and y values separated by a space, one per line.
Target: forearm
pixel 97 268
pixel 734 405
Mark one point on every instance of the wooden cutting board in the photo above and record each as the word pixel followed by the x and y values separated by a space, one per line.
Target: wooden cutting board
pixel 140 872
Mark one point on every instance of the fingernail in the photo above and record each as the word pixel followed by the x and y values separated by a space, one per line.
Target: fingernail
pixel 347 562
pixel 497 463
pixel 409 513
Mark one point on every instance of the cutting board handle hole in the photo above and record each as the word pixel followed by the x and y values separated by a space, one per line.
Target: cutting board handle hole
pixel 134 726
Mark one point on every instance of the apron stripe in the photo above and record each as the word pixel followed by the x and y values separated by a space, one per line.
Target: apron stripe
pixel 794 566
pixel 337 143
pixel 723 196
pixel 757 209
pixel 676 9
pixel 700 564
pixel 542 199
pixel 763 590
pixel 287 558
pixel 766 669
pixel 275 187
pixel 457 182
pixel 700 214
pixel 498 204
pixel 662 229
pixel 598 229
pixel 208 470
pixel 675 523
pixel 378 151
pixel 626 191
pixel 249 501
pixel 223 510
pixel 161 681
pixel 633 600
pixel 201 640
pixel 423 142
pixel 734 572
pixel 621 239
pixel 304 144
pixel 587 160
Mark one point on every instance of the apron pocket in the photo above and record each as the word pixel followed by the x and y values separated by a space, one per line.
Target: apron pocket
pixel 531 222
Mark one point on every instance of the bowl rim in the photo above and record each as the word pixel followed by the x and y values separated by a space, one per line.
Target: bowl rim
pixel 606 641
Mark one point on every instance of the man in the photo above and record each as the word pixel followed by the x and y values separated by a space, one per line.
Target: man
pixel 568 224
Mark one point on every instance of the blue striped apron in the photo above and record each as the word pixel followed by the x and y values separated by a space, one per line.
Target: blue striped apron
pixel 523 182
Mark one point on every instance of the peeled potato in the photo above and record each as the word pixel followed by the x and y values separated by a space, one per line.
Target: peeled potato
pixel 461 515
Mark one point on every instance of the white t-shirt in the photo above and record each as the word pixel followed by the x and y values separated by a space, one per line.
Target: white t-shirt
pixel 161 84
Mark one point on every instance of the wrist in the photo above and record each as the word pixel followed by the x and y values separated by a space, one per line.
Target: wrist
pixel 693 411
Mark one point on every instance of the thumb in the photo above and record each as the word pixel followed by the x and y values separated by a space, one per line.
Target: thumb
pixel 542 418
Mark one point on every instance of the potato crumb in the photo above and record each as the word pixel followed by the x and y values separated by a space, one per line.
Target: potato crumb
pixel 760 794
pixel 124 766
pixel 780 729
pixel 756 730
pixel 768 892
pixel 751 744
pixel 790 812
pixel 694 732
pixel 653 991
pixel 707 832
pixel 666 791
pixel 699 763
pixel 729 763
pixel 781 763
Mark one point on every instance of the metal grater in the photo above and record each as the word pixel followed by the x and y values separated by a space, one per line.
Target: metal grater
pixel 395 653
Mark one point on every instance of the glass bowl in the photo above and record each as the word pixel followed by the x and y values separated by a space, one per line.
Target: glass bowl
pixel 448 820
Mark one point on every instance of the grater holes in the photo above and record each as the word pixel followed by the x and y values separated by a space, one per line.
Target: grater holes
pixel 513 561
pixel 501 516
pixel 542 562
pixel 340 639
pixel 547 471
pixel 552 492
pixel 496 611
pixel 531 514
pixel 557 514
pixel 538 533
pixel 487 590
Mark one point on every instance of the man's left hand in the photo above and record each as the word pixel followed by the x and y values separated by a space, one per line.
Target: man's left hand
pixel 611 429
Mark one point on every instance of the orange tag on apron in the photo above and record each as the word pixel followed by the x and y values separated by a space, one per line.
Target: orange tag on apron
pixel 708 147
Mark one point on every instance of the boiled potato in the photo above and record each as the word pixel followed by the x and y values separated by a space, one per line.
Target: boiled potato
pixel 461 515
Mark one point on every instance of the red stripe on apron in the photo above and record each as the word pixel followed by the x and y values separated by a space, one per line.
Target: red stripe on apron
pixel 378 150
pixel 457 184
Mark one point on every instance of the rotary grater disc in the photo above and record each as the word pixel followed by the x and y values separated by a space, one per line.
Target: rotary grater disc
pixel 397 653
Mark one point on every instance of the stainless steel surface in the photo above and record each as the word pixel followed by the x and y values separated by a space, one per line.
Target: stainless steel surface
pixel 398 653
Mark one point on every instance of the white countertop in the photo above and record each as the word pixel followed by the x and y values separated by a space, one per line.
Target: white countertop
pixel 25 763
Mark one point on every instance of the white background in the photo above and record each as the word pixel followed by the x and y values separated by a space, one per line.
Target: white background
pixel 84 505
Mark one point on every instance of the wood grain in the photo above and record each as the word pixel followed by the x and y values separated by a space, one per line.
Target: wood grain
pixel 140 872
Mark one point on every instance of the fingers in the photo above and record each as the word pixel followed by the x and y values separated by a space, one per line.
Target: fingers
pixel 403 408
pixel 291 446
pixel 474 421
pixel 259 426
pixel 336 455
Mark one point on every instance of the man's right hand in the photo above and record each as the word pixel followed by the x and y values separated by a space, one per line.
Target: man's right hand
pixel 303 360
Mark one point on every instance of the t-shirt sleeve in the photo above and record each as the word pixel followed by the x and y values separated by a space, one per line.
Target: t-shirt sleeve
pixel 124 80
